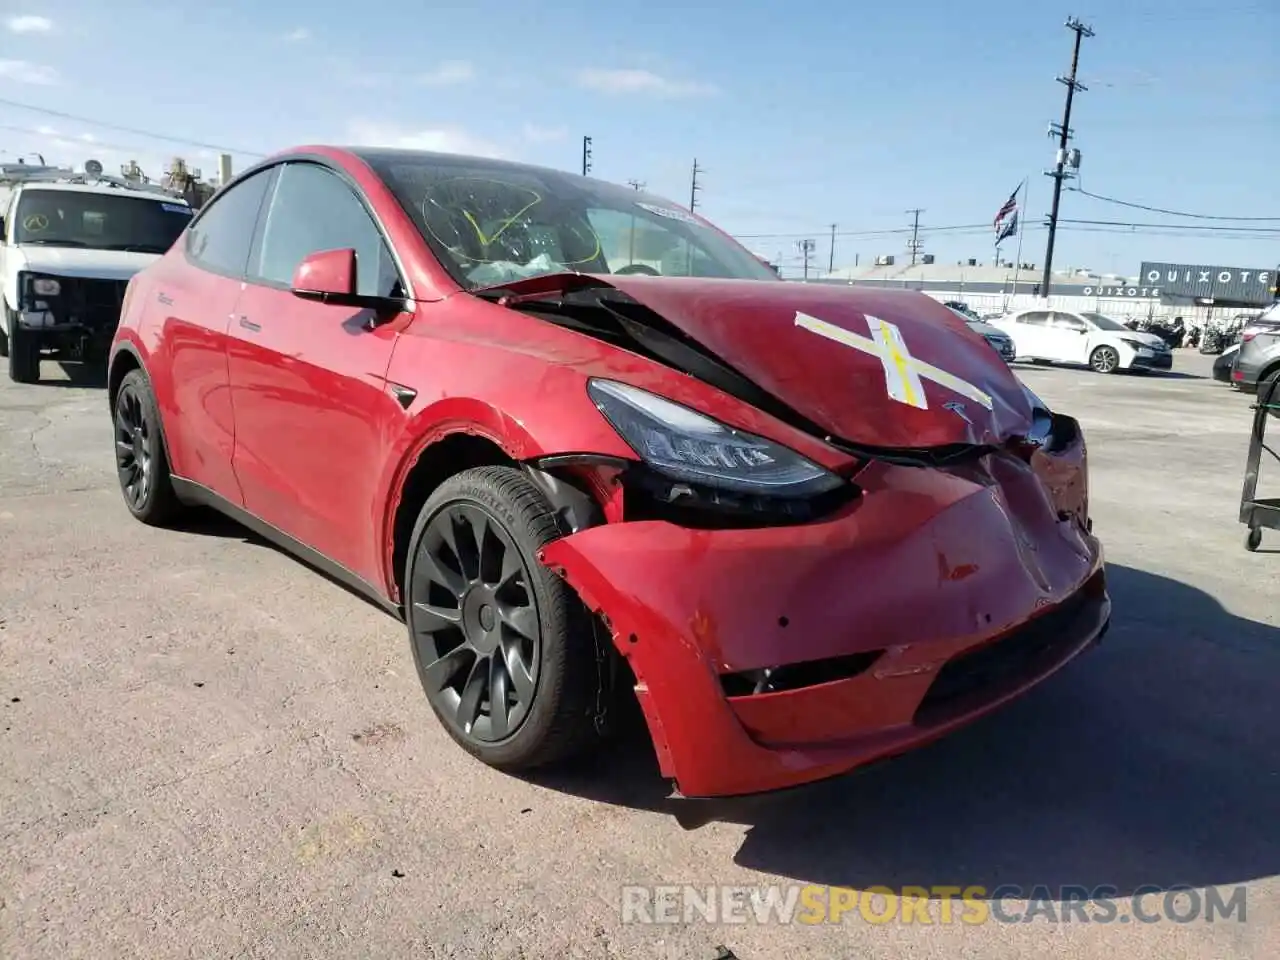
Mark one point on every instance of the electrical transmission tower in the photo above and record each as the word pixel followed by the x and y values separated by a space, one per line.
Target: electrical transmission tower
pixel 1065 159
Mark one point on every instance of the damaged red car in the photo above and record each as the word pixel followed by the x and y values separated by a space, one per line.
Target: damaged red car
pixel 589 447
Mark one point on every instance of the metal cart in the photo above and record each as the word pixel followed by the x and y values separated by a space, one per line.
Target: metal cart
pixel 1259 513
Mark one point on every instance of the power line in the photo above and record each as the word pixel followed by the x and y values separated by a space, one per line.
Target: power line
pixel 1172 213
pixel 151 135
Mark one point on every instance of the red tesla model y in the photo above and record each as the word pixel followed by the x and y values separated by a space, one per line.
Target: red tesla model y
pixel 584 443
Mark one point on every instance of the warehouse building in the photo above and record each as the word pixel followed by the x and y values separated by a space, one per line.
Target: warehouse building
pixel 1160 291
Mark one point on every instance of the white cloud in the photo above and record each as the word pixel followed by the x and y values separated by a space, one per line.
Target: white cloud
pixel 29 24
pixel 536 134
pixel 23 71
pixel 641 81
pixel 448 73
pixel 298 35
pixel 436 139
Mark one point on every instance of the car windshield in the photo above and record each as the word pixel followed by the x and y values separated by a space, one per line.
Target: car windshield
pixel 1104 322
pixel 99 221
pixel 492 222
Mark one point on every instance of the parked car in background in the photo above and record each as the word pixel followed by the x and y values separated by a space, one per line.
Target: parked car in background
pixel 1258 358
pixel 69 243
pixel 1224 364
pixel 999 340
pixel 1103 343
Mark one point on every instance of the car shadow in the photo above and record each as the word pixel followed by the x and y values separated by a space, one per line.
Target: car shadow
pixel 82 376
pixel 1149 762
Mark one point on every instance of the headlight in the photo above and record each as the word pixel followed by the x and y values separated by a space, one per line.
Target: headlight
pixel 1139 345
pixel 44 287
pixel 685 445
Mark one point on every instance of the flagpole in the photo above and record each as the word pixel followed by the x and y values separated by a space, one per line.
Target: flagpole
pixel 1022 223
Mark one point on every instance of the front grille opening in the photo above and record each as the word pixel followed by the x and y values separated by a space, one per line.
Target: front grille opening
pixel 969 680
pixel 796 676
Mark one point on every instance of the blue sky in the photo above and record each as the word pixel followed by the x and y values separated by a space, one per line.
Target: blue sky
pixel 802 115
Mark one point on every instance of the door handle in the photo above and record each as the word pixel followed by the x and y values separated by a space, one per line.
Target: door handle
pixel 250 325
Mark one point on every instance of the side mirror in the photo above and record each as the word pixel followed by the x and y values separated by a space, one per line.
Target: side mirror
pixel 329 276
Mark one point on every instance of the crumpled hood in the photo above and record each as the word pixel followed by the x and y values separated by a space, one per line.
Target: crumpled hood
pixel 873 367
pixel 83 262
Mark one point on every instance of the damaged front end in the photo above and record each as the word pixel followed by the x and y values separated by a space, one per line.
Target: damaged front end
pixel 787 620
pixel 75 317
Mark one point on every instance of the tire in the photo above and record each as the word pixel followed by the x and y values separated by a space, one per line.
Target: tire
pixel 1253 539
pixel 142 463
pixel 470 640
pixel 24 353
pixel 1105 359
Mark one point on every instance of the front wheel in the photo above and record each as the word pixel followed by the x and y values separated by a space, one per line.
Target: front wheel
pixel 505 651
pixel 24 353
pixel 1105 359
pixel 142 464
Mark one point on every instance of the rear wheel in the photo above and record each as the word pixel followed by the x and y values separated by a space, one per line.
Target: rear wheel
pixel 24 352
pixel 1105 359
pixel 505 652
pixel 142 463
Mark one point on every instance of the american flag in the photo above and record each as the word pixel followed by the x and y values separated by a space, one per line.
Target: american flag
pixel 1006 222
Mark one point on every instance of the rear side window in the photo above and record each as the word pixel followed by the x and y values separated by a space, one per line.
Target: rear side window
pixel 219 240
pixel 312 210
pixel 1037 318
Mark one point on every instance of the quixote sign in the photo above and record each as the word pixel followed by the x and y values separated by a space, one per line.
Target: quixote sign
pixel 1230 284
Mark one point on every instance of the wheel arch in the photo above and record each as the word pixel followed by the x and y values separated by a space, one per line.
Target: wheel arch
pixel 123 359
pixel 459 433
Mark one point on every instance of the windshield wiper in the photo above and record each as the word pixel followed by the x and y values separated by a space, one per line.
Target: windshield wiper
pixel 55 243
pixel 136 247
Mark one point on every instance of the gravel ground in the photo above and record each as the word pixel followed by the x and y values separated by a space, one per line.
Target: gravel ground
pixel 206 749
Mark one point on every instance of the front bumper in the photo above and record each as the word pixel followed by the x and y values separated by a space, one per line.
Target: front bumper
pixel 932 600
pixel 1159 361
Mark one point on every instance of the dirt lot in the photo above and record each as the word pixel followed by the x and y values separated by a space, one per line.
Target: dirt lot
pixel 207 750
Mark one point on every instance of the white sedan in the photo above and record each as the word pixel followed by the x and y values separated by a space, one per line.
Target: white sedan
pixel 1062 336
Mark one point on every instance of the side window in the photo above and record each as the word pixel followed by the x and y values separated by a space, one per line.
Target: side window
pixel 220 239
pixel 313 210
pixel 1065 321
pixel 1035 318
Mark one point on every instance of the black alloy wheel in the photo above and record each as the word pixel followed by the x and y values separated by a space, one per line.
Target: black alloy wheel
pixel 504 650
pixel 478 624
pixel 142 464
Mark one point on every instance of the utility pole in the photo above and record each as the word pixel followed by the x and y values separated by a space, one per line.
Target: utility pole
pixel 1059 173
pixel 806 249
pixel 636 184
pixel 695 186
pixel 586 155
pixel 831 262
pixel 914 245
